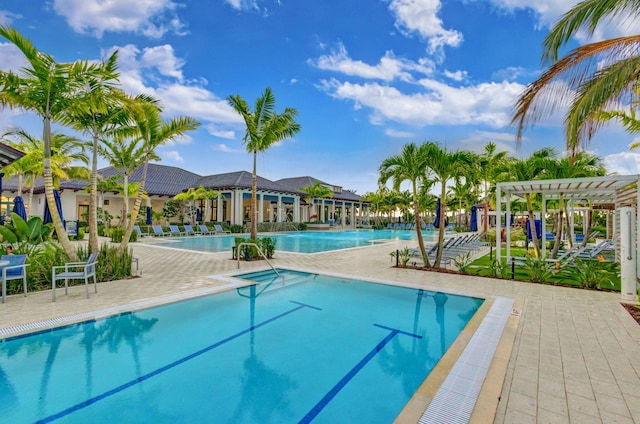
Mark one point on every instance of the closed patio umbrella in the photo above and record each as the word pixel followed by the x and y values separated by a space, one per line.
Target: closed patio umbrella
pixel 198 215
pixel 47 213
pixel 149 215
pixel 18 207
pixel 436 222
pixel 473 225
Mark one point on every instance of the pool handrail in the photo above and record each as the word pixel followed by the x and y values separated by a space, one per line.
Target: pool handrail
pixel 244 243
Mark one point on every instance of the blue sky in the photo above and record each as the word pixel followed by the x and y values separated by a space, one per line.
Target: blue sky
pixel 365 77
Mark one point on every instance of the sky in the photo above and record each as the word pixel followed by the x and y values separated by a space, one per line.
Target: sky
pixel 366 77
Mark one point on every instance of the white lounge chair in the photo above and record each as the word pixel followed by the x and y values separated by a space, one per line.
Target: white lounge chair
pixel 205 230
pixel 219 229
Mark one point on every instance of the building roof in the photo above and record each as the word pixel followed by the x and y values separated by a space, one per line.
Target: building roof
pixel 8 155
pixel 298 182
pixel 242 179
pixel 161 180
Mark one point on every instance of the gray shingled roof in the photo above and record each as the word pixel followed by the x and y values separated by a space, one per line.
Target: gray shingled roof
pixel 161 180
pixel 242 179
pixel 299 182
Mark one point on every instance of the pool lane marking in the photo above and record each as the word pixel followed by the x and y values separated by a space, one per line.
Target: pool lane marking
pixel 313 413
pixel 173 364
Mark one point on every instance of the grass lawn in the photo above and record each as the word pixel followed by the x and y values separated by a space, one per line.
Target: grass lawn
pixel 605 273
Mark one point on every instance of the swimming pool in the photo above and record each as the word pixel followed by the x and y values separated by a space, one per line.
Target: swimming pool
pixel 320 349
pixel 301 242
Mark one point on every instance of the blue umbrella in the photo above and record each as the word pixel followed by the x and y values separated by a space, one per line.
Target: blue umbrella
pixel 47 212
pixel 198 215
pixel 149 215
pixel 18 207
pixel 511 220
pixel 436 222
pixel 473 225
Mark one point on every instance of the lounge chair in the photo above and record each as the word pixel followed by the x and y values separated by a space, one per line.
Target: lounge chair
pixel 204 230
pixel 83 270
pixel 219 229
pixel 158 231
pixel 175 231
pixel 14 269
pixel 188 230
pixel 389 226
pixel 137 229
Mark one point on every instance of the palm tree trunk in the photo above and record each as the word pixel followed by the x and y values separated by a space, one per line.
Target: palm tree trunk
pixel 416 212
pixel 48 190
pixel 93 199
pixel 125 205
pixel 124 244
pixel 436 263
pixel 30 201
pixel 254 196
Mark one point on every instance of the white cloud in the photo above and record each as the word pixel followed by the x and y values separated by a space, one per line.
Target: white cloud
pixel 11 58
pixel 548 12
pixel 222 147
pixel 389 68
pixel 6 17
pixel 512 73
pixel 152 18
pixel 504 141
pixel 421 16
pixel 398 134
pixel 164 59
pixel 486 103
pixel 456 76
pixel 215 131
pixel 624 163
pixel 173 156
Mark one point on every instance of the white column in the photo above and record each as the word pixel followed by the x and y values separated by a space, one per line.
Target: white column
pixel 260 199
pixel 628 252
pixel 321 216
pixel 353 215
pixel 219 210
pixel 507 226
pixel 296 209
pixel 279 218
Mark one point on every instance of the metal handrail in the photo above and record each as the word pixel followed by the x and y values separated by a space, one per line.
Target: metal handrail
pixel 261 254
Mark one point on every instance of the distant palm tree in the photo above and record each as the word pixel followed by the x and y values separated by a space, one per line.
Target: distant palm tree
pixel 592 77
pixel 264 127
pixel 410 165
pixel 488 162
pixel 48 89
pixel 316 191
pixel 193 194
pixel 445 166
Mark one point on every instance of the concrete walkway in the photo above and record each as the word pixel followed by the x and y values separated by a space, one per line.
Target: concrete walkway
pixel 576 356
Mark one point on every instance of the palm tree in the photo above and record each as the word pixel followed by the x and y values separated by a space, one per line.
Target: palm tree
pixel 593 77
pixel 525 170
pixel 264 128
pixel 48 89
pixel 96 114
pixel 445 166
pixel 125 156
pixel 410 165
pixel 153 132
pixel 316 191
pixel 193 194
pixel 488 163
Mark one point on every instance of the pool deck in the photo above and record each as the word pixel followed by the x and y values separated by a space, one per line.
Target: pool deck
pixel 575 357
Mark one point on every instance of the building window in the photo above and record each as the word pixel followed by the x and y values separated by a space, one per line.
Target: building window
pixel 106 202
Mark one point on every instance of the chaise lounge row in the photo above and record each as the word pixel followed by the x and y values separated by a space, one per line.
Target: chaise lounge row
pixel 174 230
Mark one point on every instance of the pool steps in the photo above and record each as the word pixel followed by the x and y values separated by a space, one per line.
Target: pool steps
pixel 268 280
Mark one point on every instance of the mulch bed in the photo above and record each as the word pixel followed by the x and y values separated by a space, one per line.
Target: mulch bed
pixel 633 311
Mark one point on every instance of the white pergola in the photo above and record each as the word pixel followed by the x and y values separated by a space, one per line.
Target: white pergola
pixel 615 191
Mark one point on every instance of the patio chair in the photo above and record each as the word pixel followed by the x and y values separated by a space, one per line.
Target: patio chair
pixel 158 231
pixel 219 229
pixel 14 268
pixel 175 231
pixel 188 230
pixel 205 230
pixel 137 229
pixel 83 270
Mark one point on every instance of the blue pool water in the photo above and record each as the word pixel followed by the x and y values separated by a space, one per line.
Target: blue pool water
pixel 320 349
pixel 302 242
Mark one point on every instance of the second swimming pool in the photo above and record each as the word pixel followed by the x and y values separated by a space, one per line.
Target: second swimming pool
pixel 318 349
pixel 300 242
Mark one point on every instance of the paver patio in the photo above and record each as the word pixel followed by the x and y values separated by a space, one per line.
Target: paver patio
pixel 575 359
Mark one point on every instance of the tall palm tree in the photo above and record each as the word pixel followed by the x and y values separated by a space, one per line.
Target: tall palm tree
pixel 95 114
pixel 592 77
pixel 125 156
pixel 316 191
pixel 410 165
pixel 153 132
pixel 264 128
pixel 48 89
pixel 445 166
pixel 525 170
pixel 193 194
pixel 488 163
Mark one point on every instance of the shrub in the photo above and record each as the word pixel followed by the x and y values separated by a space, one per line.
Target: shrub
pixel 268 246
pixel 462 262
pixel 235 228
pixel 539 270
pixel 590 274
